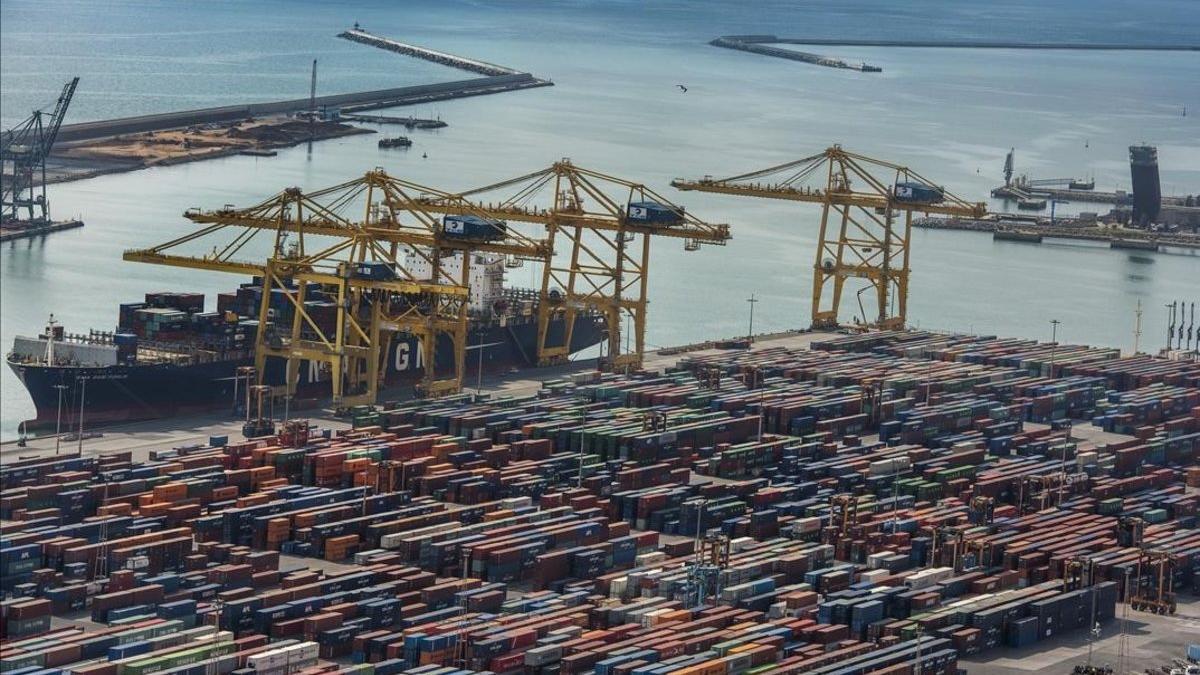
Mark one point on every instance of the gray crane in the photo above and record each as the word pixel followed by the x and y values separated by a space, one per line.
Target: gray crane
pixel 23 152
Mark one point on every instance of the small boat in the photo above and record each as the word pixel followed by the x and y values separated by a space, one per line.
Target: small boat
pixel 1082 184
pixel 397 142
pixel 1031 204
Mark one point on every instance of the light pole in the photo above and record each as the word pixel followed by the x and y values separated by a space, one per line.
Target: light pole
pixel 58 419
pixel 582 424
pixel 753 301
pixel 1062 477
pixel 762 394
pixel 1137 327
pixel 479 372
pixel 82 402
pixel 1053 342
pixel 917 664
pixel 627 334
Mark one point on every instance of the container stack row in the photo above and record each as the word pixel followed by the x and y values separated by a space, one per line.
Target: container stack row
pixel 885 503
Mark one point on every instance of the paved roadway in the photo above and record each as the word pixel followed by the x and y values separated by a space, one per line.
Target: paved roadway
pixel 1151 641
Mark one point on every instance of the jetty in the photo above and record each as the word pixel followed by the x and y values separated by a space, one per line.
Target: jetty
pixel 969 44
pixel 356 34
pixel 365 100
pixel 755 45
pixel 12 230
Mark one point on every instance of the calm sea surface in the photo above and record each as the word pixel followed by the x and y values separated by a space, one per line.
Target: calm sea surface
pixel 952 115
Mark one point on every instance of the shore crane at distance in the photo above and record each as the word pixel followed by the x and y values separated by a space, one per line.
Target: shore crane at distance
pixel 23 153
pixel 351 242
pixel 859 238
pixel 608 223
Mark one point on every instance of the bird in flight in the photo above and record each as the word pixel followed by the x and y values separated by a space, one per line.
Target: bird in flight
pixel 682 88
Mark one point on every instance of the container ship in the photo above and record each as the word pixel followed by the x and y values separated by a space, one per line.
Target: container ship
pixel 167 356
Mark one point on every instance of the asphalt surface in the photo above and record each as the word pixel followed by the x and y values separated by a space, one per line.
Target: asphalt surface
pixel 1151 641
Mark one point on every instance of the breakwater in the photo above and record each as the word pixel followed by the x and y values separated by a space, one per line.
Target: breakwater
pixel 436 56
pixel 966 44
pixel 365 100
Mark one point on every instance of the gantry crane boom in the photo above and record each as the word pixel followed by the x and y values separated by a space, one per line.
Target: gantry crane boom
pixel 316 219
pixel 863 195
pixel 371 309
pixel 607 268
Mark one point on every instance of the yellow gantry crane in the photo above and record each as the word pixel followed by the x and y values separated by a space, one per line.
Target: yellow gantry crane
pixel 859 238
pixel 608 223
pixel 316 242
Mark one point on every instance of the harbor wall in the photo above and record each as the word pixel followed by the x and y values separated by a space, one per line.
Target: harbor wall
pixel 967 44
pixel 363 99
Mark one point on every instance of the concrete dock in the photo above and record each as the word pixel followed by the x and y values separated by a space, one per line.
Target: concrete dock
pixel 407 122
pixel 12 231
pixel 364 100
pixel 445 58
pixel 756 47
pixel 1086 196
pixel 760 44
pixel 1116 237
pixel 969 44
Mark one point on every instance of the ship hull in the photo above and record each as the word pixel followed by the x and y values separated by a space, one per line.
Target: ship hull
pixel 152 391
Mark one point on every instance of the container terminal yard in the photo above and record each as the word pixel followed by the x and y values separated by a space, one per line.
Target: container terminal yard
pixel 868 501
pixel 375 458
pixel 880 502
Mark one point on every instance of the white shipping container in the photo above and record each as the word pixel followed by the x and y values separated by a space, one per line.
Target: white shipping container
pixel 651 558
pixel 512 503
pixel 876 560
pixel 925 578
pixel 807 525
pixel 873 576
pixel 390 541
pixel 891 466
pixel 648 617
pixel 361 557
pixel 541 656
pixel 618 586
pixel 740 544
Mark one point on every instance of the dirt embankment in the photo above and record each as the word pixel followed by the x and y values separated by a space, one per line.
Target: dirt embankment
pixel 129 152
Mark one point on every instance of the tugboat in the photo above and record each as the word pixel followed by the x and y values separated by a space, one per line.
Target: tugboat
pixel 397 142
